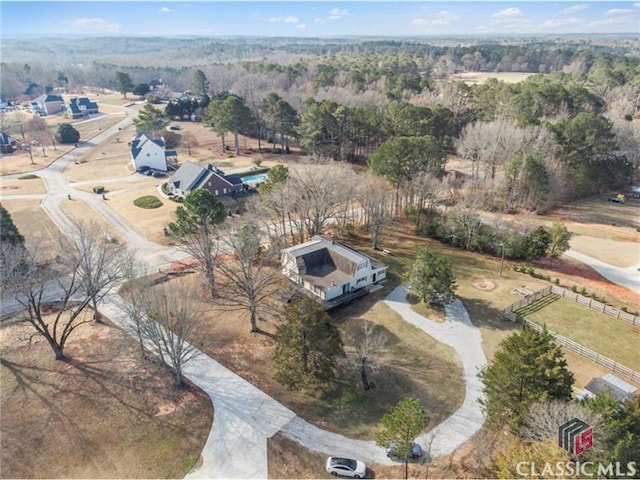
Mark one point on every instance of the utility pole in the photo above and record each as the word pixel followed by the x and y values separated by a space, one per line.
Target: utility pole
pixel 502 259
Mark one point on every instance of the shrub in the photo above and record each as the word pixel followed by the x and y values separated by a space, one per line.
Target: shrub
pixel 148 201
pixel 30 176
pixel 574 288
pixel 583 291
pixel 556 281
pixel 99 189
pixel 67 134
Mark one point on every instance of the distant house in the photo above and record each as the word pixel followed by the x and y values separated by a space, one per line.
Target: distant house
pixel 8 144
pixel 47 104
pixel 80 106
pixel 191 176
pixel 331 272
pixel 151 153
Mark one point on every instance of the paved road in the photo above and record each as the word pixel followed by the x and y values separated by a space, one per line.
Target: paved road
pixel 628 277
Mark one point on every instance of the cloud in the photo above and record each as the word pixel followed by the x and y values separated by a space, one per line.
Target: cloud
pixel 619 11
pixel 95 25
pixel 166 10
pixel 337 13
pixel 287 19
pixel 610 22
pixel 441 19
pixel 560 23
pixel 636 5
pixel 507 14
pixel 574 8
pixel 301 26
pixel 319 20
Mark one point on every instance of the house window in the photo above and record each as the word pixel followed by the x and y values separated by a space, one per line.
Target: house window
pixel 209 183
pixel 216 193
pixel 148 154
pixel 224 190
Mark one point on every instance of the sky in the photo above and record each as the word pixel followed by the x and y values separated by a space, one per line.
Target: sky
pixel 315 18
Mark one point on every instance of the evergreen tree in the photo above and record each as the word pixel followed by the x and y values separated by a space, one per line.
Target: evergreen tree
pixel 306 346
pixel 199 83
pixel 559 236
pixel 8 231
pixel 401 426
pixel 67 134
pixel 528 368
pixel 150 120
pixel 195 225
pixel 431 278
pixel 124 83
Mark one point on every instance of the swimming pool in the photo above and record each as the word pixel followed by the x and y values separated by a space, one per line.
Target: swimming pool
pixel 257 178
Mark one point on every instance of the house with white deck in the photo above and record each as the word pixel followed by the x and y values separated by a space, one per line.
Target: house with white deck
pixel 331 272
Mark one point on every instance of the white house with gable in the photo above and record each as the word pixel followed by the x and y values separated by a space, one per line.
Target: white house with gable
pixel 151 153
pixel 330 270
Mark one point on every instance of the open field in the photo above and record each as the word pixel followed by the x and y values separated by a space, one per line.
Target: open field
pixel 38 229
pixel 589 327
pixel 472 78
pixel 105 413
pixel 22 186
pixel 80 211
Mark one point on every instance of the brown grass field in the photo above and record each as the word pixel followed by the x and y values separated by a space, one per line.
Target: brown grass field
pixel 472 78
pixel 105 413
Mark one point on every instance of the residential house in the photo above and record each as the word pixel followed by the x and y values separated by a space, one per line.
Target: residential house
pixel 151 153
pixel 8 144
pixel 191 176
pixel 47 104
pixel 330 272
pixel 81 106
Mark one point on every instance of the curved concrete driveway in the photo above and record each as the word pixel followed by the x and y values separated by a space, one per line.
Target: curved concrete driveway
pixel 628 277
pixel 244 416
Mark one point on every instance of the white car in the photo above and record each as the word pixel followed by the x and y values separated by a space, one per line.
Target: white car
pixel 347 467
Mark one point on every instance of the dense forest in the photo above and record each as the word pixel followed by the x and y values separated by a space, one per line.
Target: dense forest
pixel 568 130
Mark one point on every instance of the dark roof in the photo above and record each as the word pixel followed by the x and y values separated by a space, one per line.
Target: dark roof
pixel 48 98
pixel 232 178
pixel 140 140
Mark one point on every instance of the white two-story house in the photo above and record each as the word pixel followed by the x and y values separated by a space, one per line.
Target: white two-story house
pixel 151 153
pixel 330 270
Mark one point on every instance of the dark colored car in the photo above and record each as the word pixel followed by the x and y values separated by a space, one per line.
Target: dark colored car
pixel 416 451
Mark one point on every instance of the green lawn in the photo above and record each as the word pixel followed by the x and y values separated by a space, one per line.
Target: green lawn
pixel 606 335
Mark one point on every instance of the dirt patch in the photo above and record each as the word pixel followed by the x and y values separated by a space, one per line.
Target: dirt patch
pixel 94 416
pixel 483 284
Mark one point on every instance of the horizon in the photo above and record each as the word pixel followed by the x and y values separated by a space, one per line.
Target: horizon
pixel 316 20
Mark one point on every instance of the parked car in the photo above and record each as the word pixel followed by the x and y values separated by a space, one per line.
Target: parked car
pixel 157 174
pixel 148 173
pixel 175 127
pixel 143 168
pixel 346 467
pixel 392 451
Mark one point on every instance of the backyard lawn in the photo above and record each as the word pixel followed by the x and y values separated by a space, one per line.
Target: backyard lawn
pixel 589 328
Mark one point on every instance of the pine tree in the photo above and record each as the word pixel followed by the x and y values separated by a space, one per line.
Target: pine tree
pixel 528 368
pixel 431 278
pixel 307 346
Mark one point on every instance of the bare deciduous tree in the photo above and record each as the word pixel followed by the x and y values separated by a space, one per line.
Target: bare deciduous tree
pixel 376 200
pixel 36 292
pixel 369 342
pixel 167 315
pixel 101 264
pixel 38 132
pixel 544 418
pixel 249 275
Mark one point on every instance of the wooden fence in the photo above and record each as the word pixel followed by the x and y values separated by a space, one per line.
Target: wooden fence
pixel 510 314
